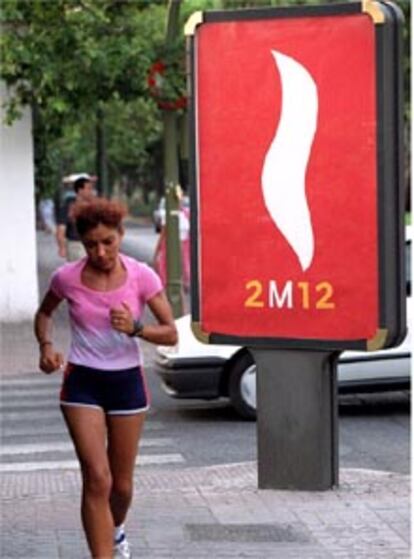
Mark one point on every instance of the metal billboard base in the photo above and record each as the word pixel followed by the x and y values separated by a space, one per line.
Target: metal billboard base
pixel 297 419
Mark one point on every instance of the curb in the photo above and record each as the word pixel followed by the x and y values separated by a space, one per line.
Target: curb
pixel 242 477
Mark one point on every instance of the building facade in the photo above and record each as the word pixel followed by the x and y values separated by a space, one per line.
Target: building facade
pixel 18 262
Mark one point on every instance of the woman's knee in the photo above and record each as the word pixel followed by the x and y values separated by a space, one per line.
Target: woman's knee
pixel 122 488
pixel 97 480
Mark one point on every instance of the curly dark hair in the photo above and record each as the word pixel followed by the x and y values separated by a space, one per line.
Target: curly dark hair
pixel 89 215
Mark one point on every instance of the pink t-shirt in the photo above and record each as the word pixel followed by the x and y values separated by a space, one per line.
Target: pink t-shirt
pixel 94 342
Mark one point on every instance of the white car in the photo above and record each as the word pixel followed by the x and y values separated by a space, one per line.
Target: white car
pixel 195 370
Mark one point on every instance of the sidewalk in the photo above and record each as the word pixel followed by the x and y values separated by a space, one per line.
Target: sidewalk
pixel 210 512
pixel 215 512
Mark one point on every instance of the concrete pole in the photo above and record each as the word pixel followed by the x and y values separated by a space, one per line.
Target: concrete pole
pixel 297 419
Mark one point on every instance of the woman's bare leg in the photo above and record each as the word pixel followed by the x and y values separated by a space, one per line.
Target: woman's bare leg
pixel 124 432
pixel 87 428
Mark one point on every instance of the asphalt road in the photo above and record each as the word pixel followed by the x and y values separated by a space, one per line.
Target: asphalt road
pixel 374 428
pixel 140 241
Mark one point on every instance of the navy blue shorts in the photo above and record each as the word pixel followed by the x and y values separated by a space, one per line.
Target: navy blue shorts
pixel 120 392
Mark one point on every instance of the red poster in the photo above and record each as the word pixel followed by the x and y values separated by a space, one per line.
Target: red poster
pixel 287 177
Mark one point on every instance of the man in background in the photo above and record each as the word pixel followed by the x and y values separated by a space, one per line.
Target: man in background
pixel 68 241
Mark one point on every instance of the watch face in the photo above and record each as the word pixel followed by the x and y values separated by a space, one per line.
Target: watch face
pixel 138 326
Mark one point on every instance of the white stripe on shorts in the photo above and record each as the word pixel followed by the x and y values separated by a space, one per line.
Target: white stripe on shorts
pixel 76 404
pixel 127 412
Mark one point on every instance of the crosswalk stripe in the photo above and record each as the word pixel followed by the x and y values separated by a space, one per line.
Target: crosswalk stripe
pixel 154 459
pixel 38 448
pixel 65 446
pixel 28 392
pixel 33 429
pixel 30 415
pixel 32 382
pixel 30 411
pixel 142 460
pixel 7 407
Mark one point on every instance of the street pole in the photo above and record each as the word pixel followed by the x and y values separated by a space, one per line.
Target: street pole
pixel 297 419
pixel 171 184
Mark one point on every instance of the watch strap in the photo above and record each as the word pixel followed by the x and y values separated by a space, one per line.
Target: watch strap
pixel 138 327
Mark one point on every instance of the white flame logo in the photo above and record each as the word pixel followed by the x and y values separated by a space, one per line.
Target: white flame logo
pixel 284 169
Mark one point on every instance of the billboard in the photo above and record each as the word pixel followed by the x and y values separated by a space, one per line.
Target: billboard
pixel 296 172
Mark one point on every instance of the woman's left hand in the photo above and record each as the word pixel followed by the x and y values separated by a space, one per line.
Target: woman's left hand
pixel 122 319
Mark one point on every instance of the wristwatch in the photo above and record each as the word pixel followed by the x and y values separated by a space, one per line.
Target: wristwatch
pixel 138 327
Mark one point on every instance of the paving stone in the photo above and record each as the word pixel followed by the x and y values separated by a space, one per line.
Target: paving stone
pixel 215 512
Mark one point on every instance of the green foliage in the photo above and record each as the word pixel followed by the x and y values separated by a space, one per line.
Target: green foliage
pixel 67 57
pixel 70 54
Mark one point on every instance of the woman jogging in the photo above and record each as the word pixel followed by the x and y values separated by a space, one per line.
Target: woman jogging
pixel 103 396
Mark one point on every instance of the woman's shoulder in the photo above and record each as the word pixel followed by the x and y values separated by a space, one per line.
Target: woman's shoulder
pixel 146 280
pixel 143 273
pixel 69 269
pixel 135 266
pixel 65 277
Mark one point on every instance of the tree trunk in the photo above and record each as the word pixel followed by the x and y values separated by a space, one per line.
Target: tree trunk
pixel 101 158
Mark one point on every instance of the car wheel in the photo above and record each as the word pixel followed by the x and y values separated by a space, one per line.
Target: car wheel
pixel 242 386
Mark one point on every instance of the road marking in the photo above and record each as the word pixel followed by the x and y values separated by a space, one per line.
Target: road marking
pixel 33 382
pixel 162 441
pixel 34 429
pixel 7 407
pixel 152 459
pixel 142 460
pixel 65 446
pixel 30 408
pixel 17 449
pixel 31 415
pixel 26 392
